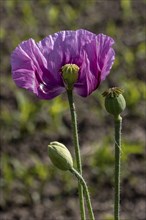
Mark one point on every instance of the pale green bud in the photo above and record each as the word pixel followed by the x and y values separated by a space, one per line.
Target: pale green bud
pixel 70 74
pixel 114 101
pixel 60 156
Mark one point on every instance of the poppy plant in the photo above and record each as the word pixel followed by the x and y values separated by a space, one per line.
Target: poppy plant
pixel 38 66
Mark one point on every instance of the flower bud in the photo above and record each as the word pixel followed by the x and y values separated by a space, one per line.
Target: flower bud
pixel 70 74
pixel 114 101
pixel 60 156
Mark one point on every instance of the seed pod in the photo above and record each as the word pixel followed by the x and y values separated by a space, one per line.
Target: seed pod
pixel 70 74
pixel 60 156
pixel 114 101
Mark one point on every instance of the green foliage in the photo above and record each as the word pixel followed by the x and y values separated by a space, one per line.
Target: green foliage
pixel 126 6
pixel 2 33
pixel 131 148
pixel 134 92
pixel 103 159
pixel 26 111
pixel 29 114
pixel 7 170
pixel 111 28
pixel 32 177
pixel 53 13
pixel 141 50
pixel 108 217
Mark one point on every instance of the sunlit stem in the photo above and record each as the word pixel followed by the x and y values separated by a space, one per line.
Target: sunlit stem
pixel 86 192
pixel 77 150
pixel 118 127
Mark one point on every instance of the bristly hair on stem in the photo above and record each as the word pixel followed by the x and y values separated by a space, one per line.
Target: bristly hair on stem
pixel 77 150
pixel 115 104
pixel 118 127
pixel 86 192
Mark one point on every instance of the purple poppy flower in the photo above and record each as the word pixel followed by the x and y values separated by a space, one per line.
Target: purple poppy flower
pixel 37 66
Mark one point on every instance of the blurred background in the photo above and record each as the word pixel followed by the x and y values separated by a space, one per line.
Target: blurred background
pixel 31 188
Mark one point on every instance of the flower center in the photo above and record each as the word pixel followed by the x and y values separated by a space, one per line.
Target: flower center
pixel 70 74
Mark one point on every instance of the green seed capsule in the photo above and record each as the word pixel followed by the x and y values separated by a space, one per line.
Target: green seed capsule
pixel 114 101
pixel 60 156
pixel 70 74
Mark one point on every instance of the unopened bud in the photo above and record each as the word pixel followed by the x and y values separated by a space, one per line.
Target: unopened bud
pixel 70 74
pixel 114 101
pixel 60 156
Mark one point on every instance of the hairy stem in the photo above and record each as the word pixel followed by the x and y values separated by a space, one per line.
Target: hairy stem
pixel 86 192
pixel 77 151
pixel 118 127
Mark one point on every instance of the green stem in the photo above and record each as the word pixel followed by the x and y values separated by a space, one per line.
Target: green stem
pixel 118 127
pixel 86 191
pixel 77 150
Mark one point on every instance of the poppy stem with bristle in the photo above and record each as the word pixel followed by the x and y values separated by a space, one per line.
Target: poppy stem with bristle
pixel 77 150
pixel 115 105
pixel 86 192
pixel 118 127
